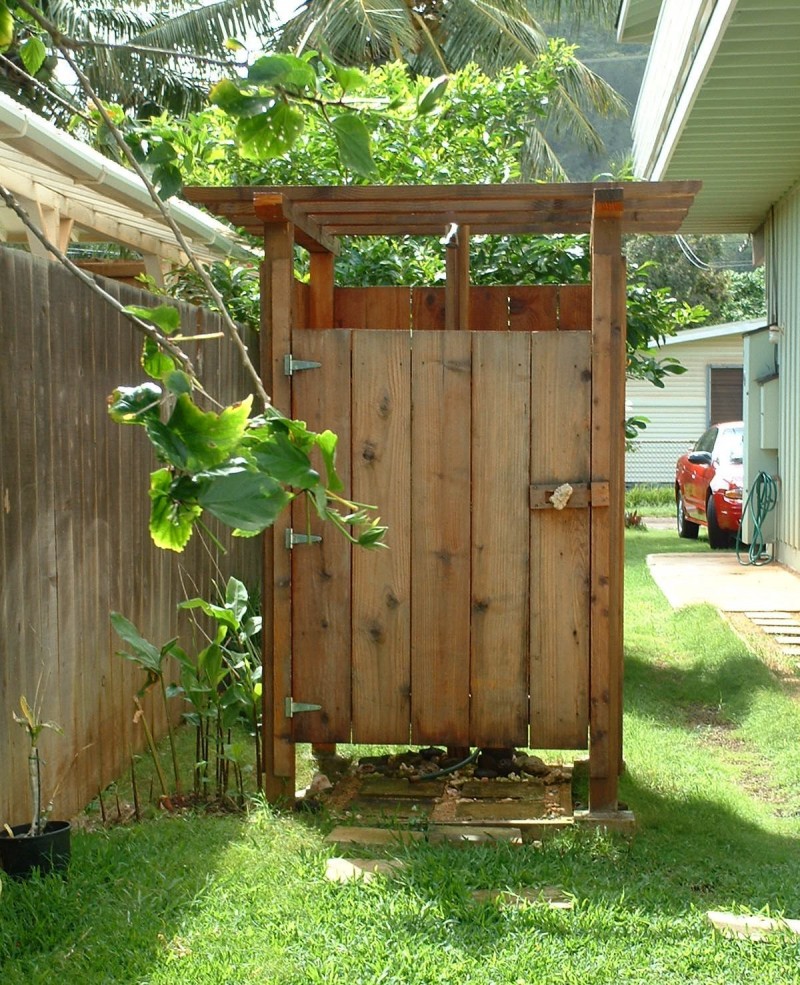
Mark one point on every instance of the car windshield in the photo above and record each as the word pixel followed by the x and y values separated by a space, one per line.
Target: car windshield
pixel 730 445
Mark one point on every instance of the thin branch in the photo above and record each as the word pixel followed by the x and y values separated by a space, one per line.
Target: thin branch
pixel 141 326
pixel 65 45
pixel 227 63
pixel 50 93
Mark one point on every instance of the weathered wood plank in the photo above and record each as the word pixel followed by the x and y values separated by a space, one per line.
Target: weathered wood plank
pixel 559 598
pixel 575 308
pixel 427 309
pixel 382 579
pixel 607 532
pixel 533 308
pixel 350 307
pixel 388 308
pixel 489 309
pixel 321 626
pixel 320 313
pixel 501 390
pixel 440 539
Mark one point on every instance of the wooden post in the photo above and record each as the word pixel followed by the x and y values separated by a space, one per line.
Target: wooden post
pixel 456 307
pixel 607 527
pixel 321 282
pixel 277 296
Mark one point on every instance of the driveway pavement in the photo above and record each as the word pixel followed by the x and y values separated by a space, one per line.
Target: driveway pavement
pixel 719 579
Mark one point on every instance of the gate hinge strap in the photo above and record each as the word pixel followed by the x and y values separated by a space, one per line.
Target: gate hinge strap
pixel 292 365
pixel 291 539
pixel 292 707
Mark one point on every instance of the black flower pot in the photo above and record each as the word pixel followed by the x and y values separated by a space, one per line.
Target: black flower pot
pixel 47 852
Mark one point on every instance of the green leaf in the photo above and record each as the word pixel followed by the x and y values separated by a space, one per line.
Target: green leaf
pixel 178 382
pixel 245 499
pixel 164 316
pixel 168 180
pixel 135 404
pixel 221 615
pixel 6 26
pixel 283 460
pixel 352 141
pixel 282 70
pixel 33 54
pixel 144 652
pixel 430 98
pixel 171 522
pixel 348 79
pixel 327 442
pixel 271 133
pixel 236 598
pixel 155 362
pixel 208 439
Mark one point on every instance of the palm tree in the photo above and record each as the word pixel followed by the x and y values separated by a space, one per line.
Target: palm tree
pixel 435 36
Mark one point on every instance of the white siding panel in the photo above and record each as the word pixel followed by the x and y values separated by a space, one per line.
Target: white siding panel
pixel 783 298
pixel 679 413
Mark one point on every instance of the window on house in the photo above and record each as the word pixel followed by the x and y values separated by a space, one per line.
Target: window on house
pixel 725 393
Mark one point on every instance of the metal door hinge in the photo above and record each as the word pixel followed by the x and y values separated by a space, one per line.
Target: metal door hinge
pixel 292 365
pixel 292 707
pixel 291 539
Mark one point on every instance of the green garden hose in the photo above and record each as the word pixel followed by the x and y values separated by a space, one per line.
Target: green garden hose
pixel 760 502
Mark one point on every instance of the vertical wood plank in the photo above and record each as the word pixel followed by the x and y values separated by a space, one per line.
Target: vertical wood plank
pixel 560 452
pixel 427 309
pixel 276 325
pixel 533 308
pixel 320 313
pixel 489 309
pixel 382 579
pixel 349 307
pixel 607 534
pixel 575 308
pixel 440 539
pixel 388 308
pixel 500 539
pixel 321 629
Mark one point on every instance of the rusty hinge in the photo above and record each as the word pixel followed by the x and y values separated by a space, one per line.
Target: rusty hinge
pixel 291 539
pixel 569 495
pixel 292 365
pixel 292 707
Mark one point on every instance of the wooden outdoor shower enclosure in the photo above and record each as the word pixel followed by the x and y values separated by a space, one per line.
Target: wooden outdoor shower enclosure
pixel 495 619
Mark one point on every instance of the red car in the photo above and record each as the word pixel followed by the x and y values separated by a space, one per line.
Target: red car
pixel 708 485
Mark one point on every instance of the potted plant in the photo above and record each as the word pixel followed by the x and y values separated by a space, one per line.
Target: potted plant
pixel 42 843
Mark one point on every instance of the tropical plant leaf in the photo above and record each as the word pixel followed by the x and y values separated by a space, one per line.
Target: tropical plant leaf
pixel 171 522
pixel 165 317
pixel 207 439
pixel 155 362
pixel 244 499
pixel 327 442
pixel 352 141
pixel 33 54
pixel 135 404
pixel 6 27
pixel 286 462
pixel 287 71
pixel 432 95
pixel 145 653
pixel 271 133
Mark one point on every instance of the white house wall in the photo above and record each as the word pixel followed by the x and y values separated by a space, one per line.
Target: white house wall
pixel 783 299
pixel 679 413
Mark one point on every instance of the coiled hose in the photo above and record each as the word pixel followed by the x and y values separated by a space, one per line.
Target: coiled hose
pixel 760 502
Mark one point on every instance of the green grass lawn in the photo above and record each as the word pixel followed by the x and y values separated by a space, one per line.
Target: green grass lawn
pixel 713 775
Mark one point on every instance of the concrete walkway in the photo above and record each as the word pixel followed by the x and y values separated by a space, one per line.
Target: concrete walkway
pixel 719 579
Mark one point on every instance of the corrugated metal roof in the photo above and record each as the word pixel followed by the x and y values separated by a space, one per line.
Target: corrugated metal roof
pixel 46 167
pixel 711 332
pixel 734 120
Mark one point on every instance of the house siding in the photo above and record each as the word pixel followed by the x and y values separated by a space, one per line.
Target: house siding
pixel 679 413
pixel 783 299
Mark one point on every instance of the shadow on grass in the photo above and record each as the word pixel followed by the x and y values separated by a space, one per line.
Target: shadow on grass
pixel 122 901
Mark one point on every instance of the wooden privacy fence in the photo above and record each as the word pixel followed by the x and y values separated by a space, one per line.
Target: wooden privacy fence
pixel 74 538
pixel 465 414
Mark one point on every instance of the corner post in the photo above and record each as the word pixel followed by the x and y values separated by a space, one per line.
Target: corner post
pixel 277 304
pixel 607 523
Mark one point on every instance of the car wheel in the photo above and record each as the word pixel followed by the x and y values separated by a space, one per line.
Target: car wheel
pixel 718 539
pixel 686 528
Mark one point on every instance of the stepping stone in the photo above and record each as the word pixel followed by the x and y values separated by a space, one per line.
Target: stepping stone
pixel 787 640
pixel 555 898
pixel 754 927
pixel 470 834
pixel 769 615
pixel 787 630
pixel 363 869
pixel 349 835
pixel 384 786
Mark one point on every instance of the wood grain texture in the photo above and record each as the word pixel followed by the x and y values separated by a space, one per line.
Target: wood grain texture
pixel 501 391
pixel 427 309
pixel 559 600
pixel 388 308
pixel 489 309
pixel 382 579
pixel 440 551
pixel 321 628
pixel 533 308
pixel 575 308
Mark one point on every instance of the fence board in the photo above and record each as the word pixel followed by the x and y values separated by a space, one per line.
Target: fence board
pixel 427 309
pixel 489 309
pixel 388 307
pixel 382 579
pixel 74 534
pixel 500 539
pixel 321 630
pixel 533 308
pixel 440 554
pixel 560 452
pixel 350 307
pixel 575 308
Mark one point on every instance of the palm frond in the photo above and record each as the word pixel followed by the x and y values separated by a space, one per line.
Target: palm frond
pixel 204 29
pixel 353 31
pixel 491 33
pixel 539 161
